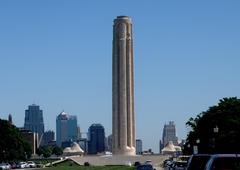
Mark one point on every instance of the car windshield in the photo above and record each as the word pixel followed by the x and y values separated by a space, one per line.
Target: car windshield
pixel 229 163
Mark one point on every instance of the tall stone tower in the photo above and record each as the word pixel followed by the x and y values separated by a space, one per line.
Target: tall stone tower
pixel 123 123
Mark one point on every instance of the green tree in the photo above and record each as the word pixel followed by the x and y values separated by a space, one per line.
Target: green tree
pixel 46 151
pixel 57 151
pixel 217 129
pixel 39 151
pixel 12 144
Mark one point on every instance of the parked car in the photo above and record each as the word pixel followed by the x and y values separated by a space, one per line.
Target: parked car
pixel 39 165
pixel 145 167
pixel 223 162
pixel 137 163
pixel 198 161
pixel 148 162
pixel 13 165
pixel 168 163
pixel 22 165
pixel 180 165
pixel 4 166
pixel 31 164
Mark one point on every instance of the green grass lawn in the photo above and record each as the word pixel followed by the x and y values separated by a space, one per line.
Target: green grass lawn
pixel 72 166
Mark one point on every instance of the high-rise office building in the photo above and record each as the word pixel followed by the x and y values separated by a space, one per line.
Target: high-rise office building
pixel 139 149
pixel 169 134
pixel 34 120
pixel 66 126
pixel 79 135
pixel 123 117
pixel 109 143
pixel 96 139
pixel 48 137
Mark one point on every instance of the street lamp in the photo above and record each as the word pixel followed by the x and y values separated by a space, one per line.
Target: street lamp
pixel 3 155
pixel 215 130
pixel 25 155
pixel 196 147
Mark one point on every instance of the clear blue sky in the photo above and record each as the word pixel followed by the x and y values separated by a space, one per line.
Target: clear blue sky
pixel 57 54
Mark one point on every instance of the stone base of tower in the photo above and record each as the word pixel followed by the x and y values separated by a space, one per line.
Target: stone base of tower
pixel 128 151
pixel 103 160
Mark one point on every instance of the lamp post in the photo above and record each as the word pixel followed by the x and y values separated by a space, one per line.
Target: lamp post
pixel 25 155
pixel 215 131
pixel 196 147
pixel 4 155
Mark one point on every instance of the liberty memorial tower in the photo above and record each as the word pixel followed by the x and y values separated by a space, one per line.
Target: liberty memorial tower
pixel 123 123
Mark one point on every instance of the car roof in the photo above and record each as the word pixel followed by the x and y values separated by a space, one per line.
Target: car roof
pixel 202 154
pixel 147 166
pixel 144 165
pixel 226 155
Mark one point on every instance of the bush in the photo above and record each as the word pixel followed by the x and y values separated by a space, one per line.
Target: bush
pixel 137 163
pixel 86 164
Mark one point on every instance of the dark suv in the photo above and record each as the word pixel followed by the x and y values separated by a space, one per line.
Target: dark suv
pixel 223 162
pixel 198 161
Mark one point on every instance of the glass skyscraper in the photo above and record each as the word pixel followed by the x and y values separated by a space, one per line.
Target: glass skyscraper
pixel 48 137
pixel 139 147
pixel 66 128
pixel 34 119
pixel 96 141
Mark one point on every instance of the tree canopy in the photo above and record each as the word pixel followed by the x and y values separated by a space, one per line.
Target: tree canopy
pixel 47 151
pixel 57 151
pixel 12 144
pixel 216 130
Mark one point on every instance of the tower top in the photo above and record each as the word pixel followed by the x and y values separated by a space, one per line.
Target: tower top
pixel 123 18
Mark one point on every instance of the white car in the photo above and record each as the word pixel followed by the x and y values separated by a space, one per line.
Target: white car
pixel 22 165
pixel 31 164
pixel 5 166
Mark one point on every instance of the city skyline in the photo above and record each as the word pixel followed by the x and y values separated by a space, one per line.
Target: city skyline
pixel 58 55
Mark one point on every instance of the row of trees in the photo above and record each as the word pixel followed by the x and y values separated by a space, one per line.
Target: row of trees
pixel 12 144
pixel 216 130
pixel 47 151
pixel 14 147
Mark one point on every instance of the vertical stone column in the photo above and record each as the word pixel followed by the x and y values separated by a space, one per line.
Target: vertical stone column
pixel 122 88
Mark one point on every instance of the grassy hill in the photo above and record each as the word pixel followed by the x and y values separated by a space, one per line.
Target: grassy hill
pixel 68 165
